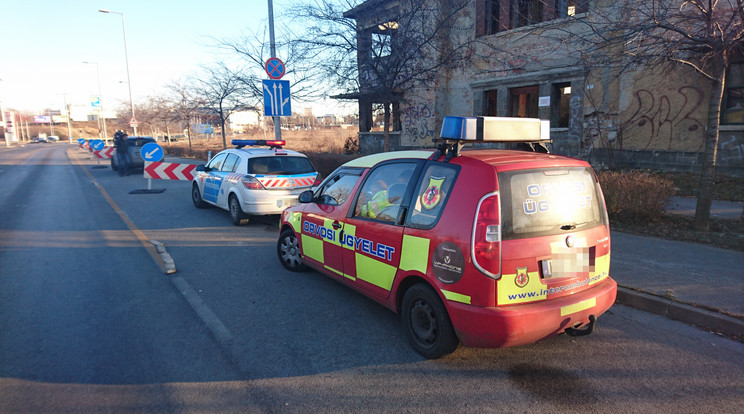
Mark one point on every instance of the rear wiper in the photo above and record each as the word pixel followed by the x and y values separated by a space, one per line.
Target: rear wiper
pixel 572 226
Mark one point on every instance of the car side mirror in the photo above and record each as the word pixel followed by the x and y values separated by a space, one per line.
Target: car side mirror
pixel 201 167
pixel 306 196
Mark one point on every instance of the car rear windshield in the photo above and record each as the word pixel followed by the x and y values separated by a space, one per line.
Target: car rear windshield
pixel 549 201
pixel 280 165
pixel 139 141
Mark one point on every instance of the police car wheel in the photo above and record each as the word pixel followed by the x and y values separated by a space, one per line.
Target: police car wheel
pixel 196 197
pixel 289 252
pixel 426 323
pixel 236 212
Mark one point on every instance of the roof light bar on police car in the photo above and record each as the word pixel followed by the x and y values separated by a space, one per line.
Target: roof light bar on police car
pixel 495 129
pixel 240 143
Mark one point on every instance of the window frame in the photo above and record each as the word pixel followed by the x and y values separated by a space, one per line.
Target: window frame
pixel 727 89
pixel 320 193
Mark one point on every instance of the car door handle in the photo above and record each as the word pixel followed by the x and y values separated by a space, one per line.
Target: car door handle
pixel 336 225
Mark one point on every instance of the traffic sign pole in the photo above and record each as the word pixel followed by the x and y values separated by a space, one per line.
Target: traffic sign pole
pixel 277 120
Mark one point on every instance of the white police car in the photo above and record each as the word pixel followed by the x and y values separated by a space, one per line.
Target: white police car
pixel 247 180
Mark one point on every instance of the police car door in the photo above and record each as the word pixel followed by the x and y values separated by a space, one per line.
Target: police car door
pixel 227 178
pixel 323 222
pixel 373 234
pixel 213 180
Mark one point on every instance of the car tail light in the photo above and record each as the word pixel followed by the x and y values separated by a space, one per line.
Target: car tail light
pixel 318 180
pixel 251 183
pixel 487 236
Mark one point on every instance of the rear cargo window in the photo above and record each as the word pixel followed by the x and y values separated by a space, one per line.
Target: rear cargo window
pixel 549 201
pixel 280 165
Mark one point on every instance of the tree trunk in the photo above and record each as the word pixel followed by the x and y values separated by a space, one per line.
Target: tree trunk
pixel 710 156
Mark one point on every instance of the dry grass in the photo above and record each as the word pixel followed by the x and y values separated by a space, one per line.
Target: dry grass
pixel 326 148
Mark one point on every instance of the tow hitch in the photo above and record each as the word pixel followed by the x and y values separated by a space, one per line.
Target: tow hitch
pixel 584 330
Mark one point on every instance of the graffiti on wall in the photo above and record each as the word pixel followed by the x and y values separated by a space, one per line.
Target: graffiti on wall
pixel 576 106
pixel 416 123
pixel 731 148
pixel 661 118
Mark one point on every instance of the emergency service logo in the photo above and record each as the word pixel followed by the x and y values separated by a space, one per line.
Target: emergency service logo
pixel 433 193
pixel 522 277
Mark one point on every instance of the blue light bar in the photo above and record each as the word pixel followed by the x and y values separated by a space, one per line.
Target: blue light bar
pixel 240 143
pixel 495 129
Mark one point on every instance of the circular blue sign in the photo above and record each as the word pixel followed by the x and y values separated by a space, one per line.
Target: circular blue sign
pixel 81 141
pixel 274 68
pixel 152 152
pixel 97 144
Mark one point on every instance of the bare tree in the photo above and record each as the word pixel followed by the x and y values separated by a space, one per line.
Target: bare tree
pixel 186 103
pixel 224 91
pixel 391 48
pixel 704 35
pixel 300 66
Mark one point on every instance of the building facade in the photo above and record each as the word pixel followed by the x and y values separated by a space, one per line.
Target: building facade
pixel 522 59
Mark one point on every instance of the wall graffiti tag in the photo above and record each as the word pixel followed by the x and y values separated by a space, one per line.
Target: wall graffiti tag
pixel 415 122
pixel 660 117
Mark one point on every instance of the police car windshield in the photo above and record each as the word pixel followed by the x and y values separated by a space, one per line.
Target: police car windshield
pixel 280 165
pixel 548 201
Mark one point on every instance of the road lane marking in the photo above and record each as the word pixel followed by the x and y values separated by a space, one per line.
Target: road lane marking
pixel 132 227
pixel 220 332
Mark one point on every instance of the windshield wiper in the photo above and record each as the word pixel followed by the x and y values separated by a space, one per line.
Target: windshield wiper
pixel 572 226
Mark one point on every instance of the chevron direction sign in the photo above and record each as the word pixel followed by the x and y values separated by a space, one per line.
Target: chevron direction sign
pixel 169 171
pixel 104 153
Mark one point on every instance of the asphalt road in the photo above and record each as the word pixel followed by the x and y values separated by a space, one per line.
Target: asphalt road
pixel 90 322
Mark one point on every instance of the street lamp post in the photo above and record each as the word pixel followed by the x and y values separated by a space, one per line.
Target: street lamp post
pixel 100 101
pixel 126 60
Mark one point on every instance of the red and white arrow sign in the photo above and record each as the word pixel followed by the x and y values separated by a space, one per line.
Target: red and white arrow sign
pixel 169 171
pixel 104 153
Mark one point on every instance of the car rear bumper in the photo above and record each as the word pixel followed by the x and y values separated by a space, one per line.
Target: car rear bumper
pixel 273 205
pixel 514 325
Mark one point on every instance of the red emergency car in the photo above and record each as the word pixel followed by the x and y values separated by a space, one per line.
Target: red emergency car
pixel 484 247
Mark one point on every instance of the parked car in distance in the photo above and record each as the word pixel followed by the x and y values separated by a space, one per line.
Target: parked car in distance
pixel 135 156
pixel 38 140
pixel 52 138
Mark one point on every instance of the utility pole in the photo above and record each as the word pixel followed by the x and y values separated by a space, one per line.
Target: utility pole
pixel 277 119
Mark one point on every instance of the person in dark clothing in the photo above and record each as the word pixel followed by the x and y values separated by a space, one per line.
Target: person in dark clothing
pixel 122 152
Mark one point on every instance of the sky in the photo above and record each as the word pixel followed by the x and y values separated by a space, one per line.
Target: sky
pixel 46 41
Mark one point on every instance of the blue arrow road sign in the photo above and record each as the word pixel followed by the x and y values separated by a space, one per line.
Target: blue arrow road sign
pixel 97 144
pixel 276 98
pixel 81 141
pixel 152 152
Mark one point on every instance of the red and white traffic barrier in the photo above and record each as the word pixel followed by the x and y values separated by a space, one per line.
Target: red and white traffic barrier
pixel 104 153
pixel 169 171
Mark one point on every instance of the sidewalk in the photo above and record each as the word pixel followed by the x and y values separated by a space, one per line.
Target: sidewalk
pixel 691 282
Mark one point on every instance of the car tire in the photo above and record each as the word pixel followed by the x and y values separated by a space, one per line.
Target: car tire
pixel 196 197
pixel 426 323
pixel 288 250
pixel 236 212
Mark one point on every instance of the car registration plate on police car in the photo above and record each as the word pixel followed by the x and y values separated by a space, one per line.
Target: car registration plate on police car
pixel 287 202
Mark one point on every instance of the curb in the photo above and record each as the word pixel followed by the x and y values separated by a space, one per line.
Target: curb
pixel 702 318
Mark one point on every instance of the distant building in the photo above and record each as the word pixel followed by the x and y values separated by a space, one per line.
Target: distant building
pixel 245 120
